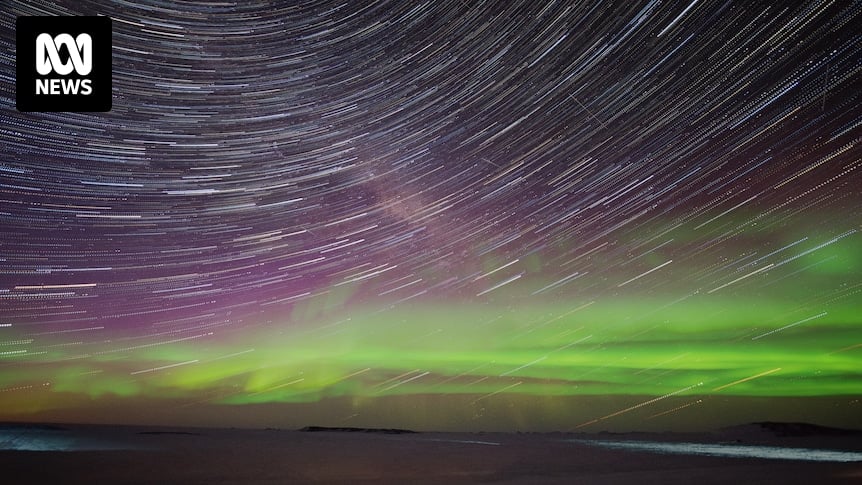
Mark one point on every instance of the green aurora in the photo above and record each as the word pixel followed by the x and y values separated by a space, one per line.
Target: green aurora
pixel 597 353
pixel 700 346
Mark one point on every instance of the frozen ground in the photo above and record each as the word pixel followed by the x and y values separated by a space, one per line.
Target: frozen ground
pixel 104 454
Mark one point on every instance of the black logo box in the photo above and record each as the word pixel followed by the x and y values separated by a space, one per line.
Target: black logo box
pixel 27 29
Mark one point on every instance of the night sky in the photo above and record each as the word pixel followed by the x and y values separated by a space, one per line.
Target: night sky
pixel 441 215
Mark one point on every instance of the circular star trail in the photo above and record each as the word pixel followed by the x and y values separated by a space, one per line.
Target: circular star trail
pixel 295 203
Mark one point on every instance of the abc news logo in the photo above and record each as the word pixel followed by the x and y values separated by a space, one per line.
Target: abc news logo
pixel 48 60
pixel 63 64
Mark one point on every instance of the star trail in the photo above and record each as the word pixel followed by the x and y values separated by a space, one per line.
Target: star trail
pixel 533 215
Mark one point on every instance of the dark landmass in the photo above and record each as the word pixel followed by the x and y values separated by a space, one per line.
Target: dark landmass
pixel 33 426
pixel 316 454
pixel 315 429
pixel 797 429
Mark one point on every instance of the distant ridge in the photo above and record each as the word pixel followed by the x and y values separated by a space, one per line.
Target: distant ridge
pixel 794 429
pixel 32 426
pixel 313 429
